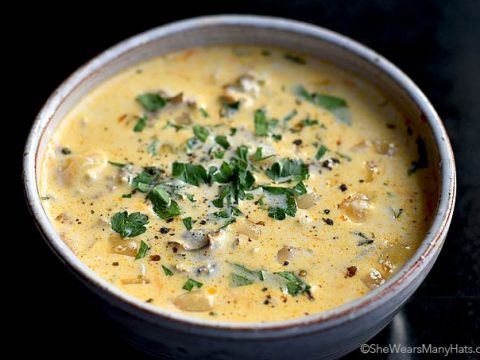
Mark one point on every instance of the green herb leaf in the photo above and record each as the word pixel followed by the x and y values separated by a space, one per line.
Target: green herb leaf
pixel 191 174
pixel 204 113
pixel 129 225
pixel 142 251
pixel 188 223
pixel 262 125
pixel 237 280
pixel 287 170
pixel 299 189
pixel 233 131
pixel 337 106
pixel 292 283
pixel 159 197
pixel 167 212
pixel 290 206
pixel 201 133
pixel 422 161
pixel 190 284
pixel 141 123
pixel 320 152
pixel 145 180
pixel 222 141
pixel 219 154
pixel 253 275
pixel 277 137
pixel 117 164
pixel 343 156
pixel 167 271
pixel 152 148
pixel 151 102
pixel 309 122
pixel 190 197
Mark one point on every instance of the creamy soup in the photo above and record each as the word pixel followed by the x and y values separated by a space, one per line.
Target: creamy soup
pixel 238 184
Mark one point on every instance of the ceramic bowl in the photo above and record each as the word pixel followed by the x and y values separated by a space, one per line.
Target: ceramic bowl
pixel 328 334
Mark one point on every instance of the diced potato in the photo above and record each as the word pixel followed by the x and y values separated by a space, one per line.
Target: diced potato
pixel 121 246
pixel 356 207
pixel 195 301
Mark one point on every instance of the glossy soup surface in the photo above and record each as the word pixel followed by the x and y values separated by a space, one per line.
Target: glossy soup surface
pixel 238 184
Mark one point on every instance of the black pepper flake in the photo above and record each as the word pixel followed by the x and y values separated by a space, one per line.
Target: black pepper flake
pixel 203 222
pixel 297 142
pixel 285 263
pixel 351 271
pixel 115 263
pixel 169 220
pixel 328 221
pixel 164 230
pixel 266 302
pixel 391 126
pixel 155 257
pixel 343 187
pixel 264 289
pixel 326 211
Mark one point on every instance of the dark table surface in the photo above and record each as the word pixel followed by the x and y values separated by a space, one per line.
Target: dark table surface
pixel 437 43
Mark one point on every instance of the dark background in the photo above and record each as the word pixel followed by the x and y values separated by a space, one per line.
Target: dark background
pixel 437 43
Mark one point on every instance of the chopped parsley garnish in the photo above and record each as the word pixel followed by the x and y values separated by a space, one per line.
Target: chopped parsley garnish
pixel 204 113
pixel 237 280
pixel 190 198
pixel 422 161
pixel 129 225
pixel 258 156
pixel 201 133
pixel 288 170
pixel 277 137
pixel 141 123
pixel 218 154
pixel 343 156
pixel 188 223
pixel 292 283
pixel 222 141
pixel 126 196
pixel 159 197
pixel 233 131
pixel 289 117
pixel 167 271
pixel 263 126
pixel 117 164
pixel 145 180
pixel 337 106
pixel 167 212
pixel 251 275
pixel 151 102
pixel 190 284
pixel 287 207
pixel 152 148
pixel 142 251
pixel 320 152
pixel 236 174
pixel 308 122
pixel 300 189
pixel 189 173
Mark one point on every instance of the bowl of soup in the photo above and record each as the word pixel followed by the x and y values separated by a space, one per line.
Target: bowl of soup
pixel 238 186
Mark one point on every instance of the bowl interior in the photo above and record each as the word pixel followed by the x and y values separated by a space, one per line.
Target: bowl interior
pixel 248 30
